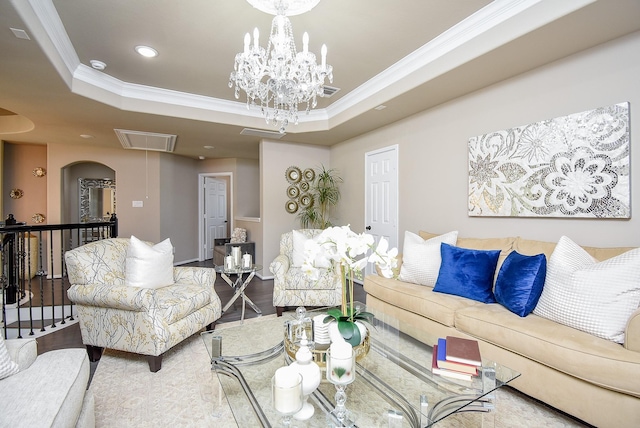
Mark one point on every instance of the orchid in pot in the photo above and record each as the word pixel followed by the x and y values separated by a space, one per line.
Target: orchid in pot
pixel 346 250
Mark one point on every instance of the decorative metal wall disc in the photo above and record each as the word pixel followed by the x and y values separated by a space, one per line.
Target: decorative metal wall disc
pixel 16 193
pixel 293 192
pixel 39 172
pixel 306 200
pixel 291 207
pixel 293 174
pixel 304 186
pixel 38 218
pixel 309 174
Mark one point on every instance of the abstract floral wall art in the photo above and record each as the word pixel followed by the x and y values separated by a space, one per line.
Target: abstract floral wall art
pixel 570 166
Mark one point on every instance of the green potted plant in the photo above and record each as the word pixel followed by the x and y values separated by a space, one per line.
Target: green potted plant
pixel 325 193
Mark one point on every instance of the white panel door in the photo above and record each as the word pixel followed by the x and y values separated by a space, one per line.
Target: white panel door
pixel 381 197
pixel 215 195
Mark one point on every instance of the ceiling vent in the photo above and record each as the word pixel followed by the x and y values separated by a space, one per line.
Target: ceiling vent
pixel 139 140
pixel 329 91
pixel 275 135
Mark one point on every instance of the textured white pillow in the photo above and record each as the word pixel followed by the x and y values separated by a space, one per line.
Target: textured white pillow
pixel 596 297
pixel 149 266
pixel 7 366
pixel 421 258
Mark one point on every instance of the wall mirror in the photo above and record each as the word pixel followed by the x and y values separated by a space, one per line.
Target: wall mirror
pixel 97 199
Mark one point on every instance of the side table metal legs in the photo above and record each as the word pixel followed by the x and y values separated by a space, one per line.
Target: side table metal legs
pixel 240 286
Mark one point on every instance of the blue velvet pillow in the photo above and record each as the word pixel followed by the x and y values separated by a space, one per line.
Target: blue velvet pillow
pixel 467 273
pixel 520 281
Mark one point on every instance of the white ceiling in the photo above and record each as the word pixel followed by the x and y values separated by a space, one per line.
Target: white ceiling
pixel 408 55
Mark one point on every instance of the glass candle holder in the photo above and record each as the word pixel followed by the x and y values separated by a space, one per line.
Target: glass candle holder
pixel 286 393
pixel 341 371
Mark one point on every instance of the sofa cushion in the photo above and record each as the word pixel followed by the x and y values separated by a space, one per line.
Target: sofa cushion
pixel 297 279
pixel 566 349
pixel 467 273
pixel 180 300
pixel 7 366
pixel 149 266
pixel 520 281
pixel 421 257
pixel 420 300
pixel 594 297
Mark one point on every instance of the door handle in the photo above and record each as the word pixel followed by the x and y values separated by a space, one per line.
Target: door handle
pixel 368 227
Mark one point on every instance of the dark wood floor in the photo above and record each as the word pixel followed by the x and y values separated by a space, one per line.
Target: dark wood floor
pixel 259 291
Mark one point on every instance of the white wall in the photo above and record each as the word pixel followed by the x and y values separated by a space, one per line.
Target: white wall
pixel 275 158
pixel 433 169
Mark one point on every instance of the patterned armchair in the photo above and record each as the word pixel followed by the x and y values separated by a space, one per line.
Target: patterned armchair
pixel 291 287
pixel 139 320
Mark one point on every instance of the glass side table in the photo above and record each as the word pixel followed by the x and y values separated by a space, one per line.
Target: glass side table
pixel 239 285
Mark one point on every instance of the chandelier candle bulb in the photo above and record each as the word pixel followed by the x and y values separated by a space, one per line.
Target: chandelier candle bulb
pixel 247 42
pixel 305 42
pixel 256 39
pixel 323 51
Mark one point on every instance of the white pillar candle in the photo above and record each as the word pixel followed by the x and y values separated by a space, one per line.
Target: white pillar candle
pixel 228 263
pixel 287 390
pixel 237 255
pixel 246 261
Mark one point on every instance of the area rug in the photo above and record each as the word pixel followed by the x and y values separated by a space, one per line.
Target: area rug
pixel 186 393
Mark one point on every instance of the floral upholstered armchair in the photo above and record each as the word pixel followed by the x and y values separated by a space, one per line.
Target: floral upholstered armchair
pixel 147 321
pixel 291 286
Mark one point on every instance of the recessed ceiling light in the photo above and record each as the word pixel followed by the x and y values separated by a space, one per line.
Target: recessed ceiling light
pixel 98 65
pixel 147 51
pixel 380 107
pixel 201 157
pixel 209 147
pixel 87 136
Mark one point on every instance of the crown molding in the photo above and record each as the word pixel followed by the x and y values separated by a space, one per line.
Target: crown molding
pixel 492 26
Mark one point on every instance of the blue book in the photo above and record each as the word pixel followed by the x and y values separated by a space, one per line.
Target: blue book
pixel 442 349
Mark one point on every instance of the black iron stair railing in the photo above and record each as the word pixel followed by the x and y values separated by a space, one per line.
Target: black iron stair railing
pixel 33 277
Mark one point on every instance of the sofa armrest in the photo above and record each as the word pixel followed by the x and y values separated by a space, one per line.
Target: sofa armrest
pixel 203 276
pixel 632 332
pixel 22 351
pixel 280 266
pixel 111 296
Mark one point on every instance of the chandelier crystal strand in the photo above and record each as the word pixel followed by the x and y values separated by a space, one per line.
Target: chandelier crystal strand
pixel 279 78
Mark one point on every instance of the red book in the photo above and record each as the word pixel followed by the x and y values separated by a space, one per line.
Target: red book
pixel 465 351
pixel 452 365
pixel 444 372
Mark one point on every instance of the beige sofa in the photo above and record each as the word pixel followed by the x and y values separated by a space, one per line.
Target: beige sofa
pixel 593 379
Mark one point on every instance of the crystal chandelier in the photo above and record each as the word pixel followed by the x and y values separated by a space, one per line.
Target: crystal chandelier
pixel 279 77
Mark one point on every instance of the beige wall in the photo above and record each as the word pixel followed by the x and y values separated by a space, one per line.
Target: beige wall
pixel 19 162
pixel 136 180
pixel 433 172
pixel 275 158
pixel 179 205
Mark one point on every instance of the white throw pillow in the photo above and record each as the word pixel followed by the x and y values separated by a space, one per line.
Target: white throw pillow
pixel 7 366
pixel 595 297
pixel 421 258
pixel 149 266
pixel 297 253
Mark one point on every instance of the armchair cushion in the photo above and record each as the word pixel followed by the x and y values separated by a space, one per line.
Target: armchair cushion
pixel 149 266
pixel 296 279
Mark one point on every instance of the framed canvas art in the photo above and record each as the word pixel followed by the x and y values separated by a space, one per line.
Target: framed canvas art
pixel 570 166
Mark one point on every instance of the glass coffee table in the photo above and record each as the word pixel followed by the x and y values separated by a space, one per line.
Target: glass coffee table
pixel 393 385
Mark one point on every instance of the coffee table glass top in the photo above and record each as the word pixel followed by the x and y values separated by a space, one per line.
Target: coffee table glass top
pixel 394 385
